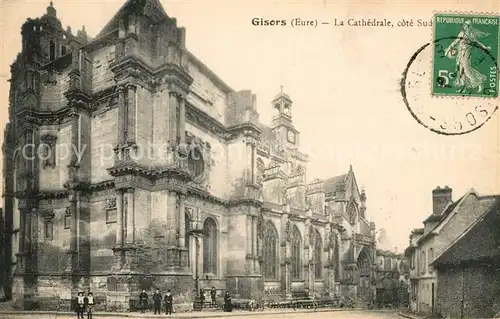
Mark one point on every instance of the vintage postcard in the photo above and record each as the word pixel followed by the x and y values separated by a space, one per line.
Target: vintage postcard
pixel 215 158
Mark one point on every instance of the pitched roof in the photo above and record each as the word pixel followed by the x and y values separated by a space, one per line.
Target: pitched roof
pixel 332 184
pixel 494 207
pixel 149 8
pixel 440 218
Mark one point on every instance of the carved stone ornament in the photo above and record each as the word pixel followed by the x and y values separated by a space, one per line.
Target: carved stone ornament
pixel 288 231
pixel 333 238
pixel 312 235
pixel 260 225
pixel 49 150
pixel 110 203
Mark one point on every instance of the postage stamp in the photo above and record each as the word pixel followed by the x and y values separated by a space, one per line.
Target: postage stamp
pixel 466 55
pixel 450 85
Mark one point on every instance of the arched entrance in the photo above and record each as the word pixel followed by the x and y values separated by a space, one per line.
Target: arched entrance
pixel 364 269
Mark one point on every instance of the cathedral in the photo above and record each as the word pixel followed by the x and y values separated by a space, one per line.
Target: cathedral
pixel 129 165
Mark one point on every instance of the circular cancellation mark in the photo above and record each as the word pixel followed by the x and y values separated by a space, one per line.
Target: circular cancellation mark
pixel 462 109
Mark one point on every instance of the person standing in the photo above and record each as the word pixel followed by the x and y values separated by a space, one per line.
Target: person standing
pixel 213 294
pixel 202 297
pixel 157 301
pixel 80 305
pixel 228 307
pixel 168 303
pixel 143 300
pixel 89 302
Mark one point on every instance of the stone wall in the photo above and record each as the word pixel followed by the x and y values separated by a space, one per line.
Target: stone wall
pixel 479 286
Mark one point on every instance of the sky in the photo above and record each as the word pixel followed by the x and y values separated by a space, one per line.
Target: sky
pixel 344 83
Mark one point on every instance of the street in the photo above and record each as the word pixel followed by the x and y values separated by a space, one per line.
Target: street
pixel 354 314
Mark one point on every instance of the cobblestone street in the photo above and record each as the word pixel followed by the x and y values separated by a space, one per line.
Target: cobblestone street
pixel 361 314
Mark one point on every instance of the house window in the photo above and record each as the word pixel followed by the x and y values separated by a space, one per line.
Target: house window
pixel 270 253
pixel 210 247
pixel 296 252
pixel 48 229
pixel 318 250
pixel 67 219
pixel 63 50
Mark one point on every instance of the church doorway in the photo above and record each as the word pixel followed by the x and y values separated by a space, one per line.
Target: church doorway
pixel 364 270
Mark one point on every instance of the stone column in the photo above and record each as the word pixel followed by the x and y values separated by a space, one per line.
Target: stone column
pixel 255 253
pixel 182 221
pixel 306 267
pixel 73 244
pixel 249 162
pixel 119 213
pixel 182 121
pixel 74 141
pixel 254 164
pixel 128 208
pixel 131 113
pixel 249 234
pixel 121 116
pixel 172 106
pixel 22 234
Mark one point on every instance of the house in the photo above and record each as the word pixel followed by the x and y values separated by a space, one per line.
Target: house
pixel 468 270
pixel 447 222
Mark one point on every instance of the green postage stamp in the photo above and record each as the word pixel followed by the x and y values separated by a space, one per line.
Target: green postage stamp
pixel 466 55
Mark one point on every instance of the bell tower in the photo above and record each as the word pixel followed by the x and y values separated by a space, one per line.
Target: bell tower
pixel 282 123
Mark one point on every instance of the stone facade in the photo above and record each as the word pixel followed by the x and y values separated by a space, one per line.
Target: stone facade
pixel 129 164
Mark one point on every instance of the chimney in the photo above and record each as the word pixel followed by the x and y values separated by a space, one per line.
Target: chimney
pixel 441 197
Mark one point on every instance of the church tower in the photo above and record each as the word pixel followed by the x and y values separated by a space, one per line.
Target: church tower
pixel 282 123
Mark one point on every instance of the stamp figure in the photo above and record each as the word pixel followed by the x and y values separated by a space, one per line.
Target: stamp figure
pixel 466 53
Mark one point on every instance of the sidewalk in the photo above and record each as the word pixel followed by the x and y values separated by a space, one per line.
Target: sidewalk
pixel 202 314
pixel 410 315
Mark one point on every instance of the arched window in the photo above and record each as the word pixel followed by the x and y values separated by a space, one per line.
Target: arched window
pixel 52 50
pixel 196 164
pixel 296 253
pixel 318 252
pixel 270 254
pixel 210 247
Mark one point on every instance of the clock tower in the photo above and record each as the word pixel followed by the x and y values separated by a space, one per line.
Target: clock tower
pixel 282 120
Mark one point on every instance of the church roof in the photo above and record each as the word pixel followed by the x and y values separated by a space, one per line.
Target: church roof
pixel 332 184
pixel 149 8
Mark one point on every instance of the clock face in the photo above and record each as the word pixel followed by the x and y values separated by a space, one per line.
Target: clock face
pixel 291 136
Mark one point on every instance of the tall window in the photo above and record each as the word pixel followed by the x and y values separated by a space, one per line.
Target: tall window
pixel 52 50
pixel 296 253
pixel 187 228
pixel 210 247
pixel 270 254
pixel 318 250
pixel 63 50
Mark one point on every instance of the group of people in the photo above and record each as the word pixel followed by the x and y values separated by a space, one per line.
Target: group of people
pixel 84 303
pixel 157 298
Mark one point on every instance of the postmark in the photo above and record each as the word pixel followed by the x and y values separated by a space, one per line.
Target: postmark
pixel 450 85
